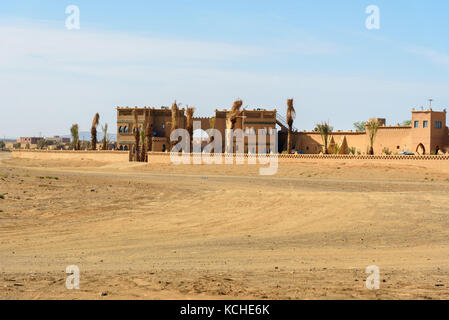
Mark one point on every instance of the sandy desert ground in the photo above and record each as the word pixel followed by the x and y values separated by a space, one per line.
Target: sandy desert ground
pixel 140 231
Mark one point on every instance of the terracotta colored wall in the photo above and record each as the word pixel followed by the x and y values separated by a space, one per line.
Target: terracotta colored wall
pixel 387 137
pixel 104 156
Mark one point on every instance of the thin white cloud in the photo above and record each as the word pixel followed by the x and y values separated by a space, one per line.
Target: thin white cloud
pixel 51 78
pixel 437 57
pixel 40 44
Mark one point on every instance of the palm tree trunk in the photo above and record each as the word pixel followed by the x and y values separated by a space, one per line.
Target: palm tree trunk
pixel 289 140
pixel 130 152
pixel 93 131
pixel 136 136
pixel 94 138
pixel 148 134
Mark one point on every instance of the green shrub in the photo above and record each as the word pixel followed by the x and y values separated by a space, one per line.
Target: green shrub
pixel 350 150
pixel 386 151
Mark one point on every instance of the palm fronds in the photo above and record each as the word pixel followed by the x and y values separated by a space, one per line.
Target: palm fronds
pixel 372 126
pixel 235 113
pixel 325 131
pixel 75 137
pixel 105 136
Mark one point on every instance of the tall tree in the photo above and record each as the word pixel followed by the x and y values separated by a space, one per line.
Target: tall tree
pixel 75 137
pixel 105 136
pixel 148 133
pixel 143 150
pixel 93 131
pixel 136 131
pixel 325 131
pixel 291 115
pixel 231 120
pixel 212 126
pixel 406 123
pixel 189 125
pixel 174 122
pixel 372 126
pixel 359 126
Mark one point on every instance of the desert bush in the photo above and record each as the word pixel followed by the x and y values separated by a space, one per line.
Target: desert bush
pixel 387 151
pixel 351 150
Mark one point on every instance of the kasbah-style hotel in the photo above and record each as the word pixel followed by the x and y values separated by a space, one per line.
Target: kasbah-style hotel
pixel 427 133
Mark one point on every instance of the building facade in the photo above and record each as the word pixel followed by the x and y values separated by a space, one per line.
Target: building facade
pixel 427 134
pixel 160 123
pixel 249 121
pixel 29 142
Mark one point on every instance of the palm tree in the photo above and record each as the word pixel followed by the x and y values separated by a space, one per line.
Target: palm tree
pixel 325 131
pixel 136 135
pixel 372 126
pixel 291 115
pixel 75 137
pixel 234 114
pixel 148 133
pixel 189 125
pixel 130 153
pixel 105 136
pixel 359 126
pixel 143 150
pixel 93 131
pixel 231 120
pixel 212 126
pixel 174 121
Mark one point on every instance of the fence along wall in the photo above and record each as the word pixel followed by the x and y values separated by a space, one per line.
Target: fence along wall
pixel 103 156
pixel 164 157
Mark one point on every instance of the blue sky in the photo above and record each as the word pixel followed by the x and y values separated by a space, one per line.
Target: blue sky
pixel 208 53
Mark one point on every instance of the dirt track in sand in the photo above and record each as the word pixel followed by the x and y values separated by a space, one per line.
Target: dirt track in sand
pixel 172 232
